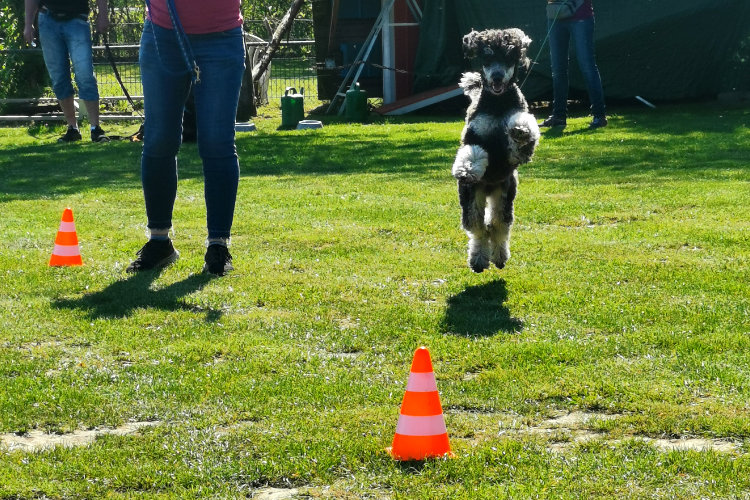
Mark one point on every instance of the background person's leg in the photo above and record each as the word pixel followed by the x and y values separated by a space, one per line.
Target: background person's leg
pixel 583 38
pixel 559 42
pixel 78 38
pixel 55 51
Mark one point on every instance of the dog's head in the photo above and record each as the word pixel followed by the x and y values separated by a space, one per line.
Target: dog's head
pixel 502 52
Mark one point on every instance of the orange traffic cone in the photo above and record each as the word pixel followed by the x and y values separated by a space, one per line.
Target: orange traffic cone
pixel 66 252
pixel 420 432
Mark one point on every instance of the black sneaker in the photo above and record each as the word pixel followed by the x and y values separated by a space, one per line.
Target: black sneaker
pixel 98 135
pixel 153 255
pixel 71 135
pixel 218 260
pixel 598 122
pixel 553 121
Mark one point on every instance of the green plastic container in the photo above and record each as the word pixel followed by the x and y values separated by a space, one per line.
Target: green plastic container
pixel 292 107
pixel 356 104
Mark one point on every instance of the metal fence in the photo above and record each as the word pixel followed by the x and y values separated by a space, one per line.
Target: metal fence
pixel 292 66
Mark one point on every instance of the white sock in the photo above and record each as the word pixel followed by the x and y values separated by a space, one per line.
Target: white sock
pixel 158 234
pixel 217 241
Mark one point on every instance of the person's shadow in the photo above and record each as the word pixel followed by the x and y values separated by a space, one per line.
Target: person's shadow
pixel 122 297
pixel 480 311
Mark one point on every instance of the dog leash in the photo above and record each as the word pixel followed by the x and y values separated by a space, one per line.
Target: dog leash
pixel 182 40
pixel 138 136
pixel 552 24
pixel 111 59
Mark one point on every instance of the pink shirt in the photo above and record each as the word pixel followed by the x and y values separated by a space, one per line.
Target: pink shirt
pixel 198 16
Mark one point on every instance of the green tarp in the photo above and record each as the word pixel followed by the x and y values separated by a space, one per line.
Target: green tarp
pixel 656 49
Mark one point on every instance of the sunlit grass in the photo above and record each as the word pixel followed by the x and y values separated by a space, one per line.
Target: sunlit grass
pixel 626 296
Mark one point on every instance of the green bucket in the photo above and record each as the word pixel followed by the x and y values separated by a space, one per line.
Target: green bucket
pixel 356 104
pixel 292 107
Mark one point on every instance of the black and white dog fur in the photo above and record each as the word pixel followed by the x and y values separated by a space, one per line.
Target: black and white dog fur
pixel 500 134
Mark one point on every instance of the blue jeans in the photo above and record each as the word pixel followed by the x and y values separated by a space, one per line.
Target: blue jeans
pixel 63 41
pixel 166 85
pixel 582 33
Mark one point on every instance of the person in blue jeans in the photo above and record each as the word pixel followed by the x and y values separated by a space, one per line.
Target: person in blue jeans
pixel 65 35
pixel 580 29
pixel 197 45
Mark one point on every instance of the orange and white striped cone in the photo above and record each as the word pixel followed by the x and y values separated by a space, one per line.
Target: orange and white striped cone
pixel 66 251
pixel 420 432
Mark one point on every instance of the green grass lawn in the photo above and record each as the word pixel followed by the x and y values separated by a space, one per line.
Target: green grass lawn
pixel 626 301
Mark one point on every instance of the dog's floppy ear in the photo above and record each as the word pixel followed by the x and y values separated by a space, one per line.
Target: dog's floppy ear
pixel 521 43
pixel 472 44
pixel 524 62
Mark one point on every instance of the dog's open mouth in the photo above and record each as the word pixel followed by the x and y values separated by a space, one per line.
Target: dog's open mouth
pixel 497 88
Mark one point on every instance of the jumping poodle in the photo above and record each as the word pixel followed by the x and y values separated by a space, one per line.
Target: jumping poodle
pixel 500 134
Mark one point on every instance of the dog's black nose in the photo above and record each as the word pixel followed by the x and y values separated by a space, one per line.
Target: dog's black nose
pixel 497 76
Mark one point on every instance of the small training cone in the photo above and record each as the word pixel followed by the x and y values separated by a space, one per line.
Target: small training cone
pixel 420 432
pixel 66 252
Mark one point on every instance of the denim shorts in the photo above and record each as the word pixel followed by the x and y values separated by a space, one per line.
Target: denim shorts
pixel 63 42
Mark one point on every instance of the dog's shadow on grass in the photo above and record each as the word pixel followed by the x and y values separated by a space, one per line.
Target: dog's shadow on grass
pixel 123 297
pixel 480 311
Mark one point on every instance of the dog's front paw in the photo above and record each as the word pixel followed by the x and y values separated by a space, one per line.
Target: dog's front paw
pixel 465 176
pixel 470 164
pixel 521 135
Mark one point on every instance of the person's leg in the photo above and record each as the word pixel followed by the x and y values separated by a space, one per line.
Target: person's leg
pixel 55 51
pixel 583 38
pixel 78 38
pixel 165 88
pixel 92 109
pixel 69 111
pixel 221 60
pixel 559 42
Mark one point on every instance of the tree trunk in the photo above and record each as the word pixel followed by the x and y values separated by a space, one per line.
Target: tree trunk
pixel 278 35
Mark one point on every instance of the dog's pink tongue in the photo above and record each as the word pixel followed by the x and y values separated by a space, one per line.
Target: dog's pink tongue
pixel 497 87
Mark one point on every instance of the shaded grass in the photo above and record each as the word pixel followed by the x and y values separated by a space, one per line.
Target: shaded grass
pixel 627 294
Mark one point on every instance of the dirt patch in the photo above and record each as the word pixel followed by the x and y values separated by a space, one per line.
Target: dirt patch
pixel 40 440
pixel 576 419
pixel 566 430
pixel 693 444
pixel 275 494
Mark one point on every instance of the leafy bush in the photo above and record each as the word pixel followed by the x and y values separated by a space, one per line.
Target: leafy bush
pixel 22 72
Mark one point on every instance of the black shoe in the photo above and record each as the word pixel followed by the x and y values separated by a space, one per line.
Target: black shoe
pixel 218 260
pixel 98 135
pixel 553 121
pixel 598 122
pixel 71 135
pixel 153 255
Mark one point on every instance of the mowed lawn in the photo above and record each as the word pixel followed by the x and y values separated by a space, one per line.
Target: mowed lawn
pixel 608 359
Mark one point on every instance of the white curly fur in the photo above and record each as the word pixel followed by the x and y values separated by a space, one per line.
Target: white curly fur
pixel 471 163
